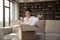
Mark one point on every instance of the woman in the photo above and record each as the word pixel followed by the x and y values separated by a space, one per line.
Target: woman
pixel 30 20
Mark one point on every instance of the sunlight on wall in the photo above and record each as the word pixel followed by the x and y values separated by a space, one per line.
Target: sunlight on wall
pixel 1 13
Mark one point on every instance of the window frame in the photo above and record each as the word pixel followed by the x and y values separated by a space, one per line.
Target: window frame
pixel 4 13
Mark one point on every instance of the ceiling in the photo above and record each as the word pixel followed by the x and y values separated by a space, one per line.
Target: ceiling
pixel 34 0
pixel 31 0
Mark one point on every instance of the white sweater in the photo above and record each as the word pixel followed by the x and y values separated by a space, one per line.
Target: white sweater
pixel 32 20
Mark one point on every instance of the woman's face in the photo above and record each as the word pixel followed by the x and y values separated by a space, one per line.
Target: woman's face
pixel 27 13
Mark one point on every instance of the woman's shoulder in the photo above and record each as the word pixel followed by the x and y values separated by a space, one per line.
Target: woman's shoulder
pixel 34 18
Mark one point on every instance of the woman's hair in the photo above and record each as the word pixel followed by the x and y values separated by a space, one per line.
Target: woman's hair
pixel 29 11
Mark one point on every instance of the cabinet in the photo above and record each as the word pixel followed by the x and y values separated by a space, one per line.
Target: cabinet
pixel 49 9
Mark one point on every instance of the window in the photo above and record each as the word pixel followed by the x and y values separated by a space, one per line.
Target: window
pixel 7 9
pixel 12 10
pixel 1 13
pixel 6 17
pixel 6 2
pixel 6 12
pixel 9 12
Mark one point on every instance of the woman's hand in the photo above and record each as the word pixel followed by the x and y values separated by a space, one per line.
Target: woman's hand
pixel 21 20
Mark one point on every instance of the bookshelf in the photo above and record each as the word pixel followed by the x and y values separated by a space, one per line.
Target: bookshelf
pixel 49 9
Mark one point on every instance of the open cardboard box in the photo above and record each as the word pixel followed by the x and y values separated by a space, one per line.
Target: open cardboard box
pixel 28 27
pixel 27 32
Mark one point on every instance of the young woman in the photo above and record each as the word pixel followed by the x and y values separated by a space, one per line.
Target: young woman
pixel 30 20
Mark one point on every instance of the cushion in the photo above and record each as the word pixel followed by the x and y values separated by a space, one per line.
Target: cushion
pixel 52 26
pixel 10 36
pixel 41 26
pixel 52 36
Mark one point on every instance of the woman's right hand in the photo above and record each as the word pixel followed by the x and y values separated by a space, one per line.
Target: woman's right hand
pixel 21 19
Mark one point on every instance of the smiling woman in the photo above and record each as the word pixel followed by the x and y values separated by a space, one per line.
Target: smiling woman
pixel 1 13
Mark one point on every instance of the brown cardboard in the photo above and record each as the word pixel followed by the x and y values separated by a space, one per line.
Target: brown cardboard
pixel 28 35
pixel 27 32
pixel 28 28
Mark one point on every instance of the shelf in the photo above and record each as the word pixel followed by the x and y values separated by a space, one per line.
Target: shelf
pixel 49 9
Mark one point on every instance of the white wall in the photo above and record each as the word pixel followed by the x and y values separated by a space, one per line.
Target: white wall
pixel 16 11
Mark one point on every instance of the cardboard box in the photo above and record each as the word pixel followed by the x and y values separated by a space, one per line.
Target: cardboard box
pixel 27 32
pixel 28 28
